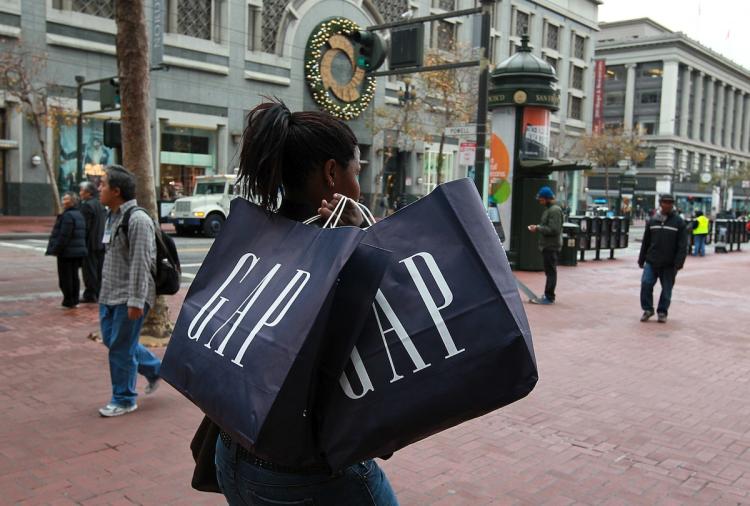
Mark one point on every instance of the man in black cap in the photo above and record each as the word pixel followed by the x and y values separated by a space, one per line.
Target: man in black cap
pixel 663 253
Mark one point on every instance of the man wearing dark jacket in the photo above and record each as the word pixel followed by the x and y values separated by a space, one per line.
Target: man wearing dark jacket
pixel 550 241
pixel 68 243
pixel 663 253
pixel 94 215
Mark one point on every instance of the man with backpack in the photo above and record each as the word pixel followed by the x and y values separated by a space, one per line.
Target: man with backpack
pixel 128 290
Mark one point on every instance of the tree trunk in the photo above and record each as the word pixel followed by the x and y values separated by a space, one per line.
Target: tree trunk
pixel 41 137
pixel 440 157
pixel 133 69
pixel 606 183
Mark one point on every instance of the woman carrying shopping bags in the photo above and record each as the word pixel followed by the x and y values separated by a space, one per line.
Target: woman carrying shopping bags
pixel 312 158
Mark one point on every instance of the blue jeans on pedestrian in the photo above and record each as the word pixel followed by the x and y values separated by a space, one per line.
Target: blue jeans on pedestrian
pixel 244 483
pixel 666 276
pixel 127 356
pixel 700 245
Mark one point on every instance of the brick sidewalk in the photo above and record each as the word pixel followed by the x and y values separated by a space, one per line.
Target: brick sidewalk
pixel 624 413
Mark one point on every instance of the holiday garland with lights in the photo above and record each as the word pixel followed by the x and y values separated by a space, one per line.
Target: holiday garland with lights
pixel 314 53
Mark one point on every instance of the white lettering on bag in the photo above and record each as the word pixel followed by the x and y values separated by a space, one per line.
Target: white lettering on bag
pixel 429 301
pixel 381 305
pixel 400 331
pixel 242 310
pixel 217 295
pixel 217 301
pixel 364 378
pixel 302 277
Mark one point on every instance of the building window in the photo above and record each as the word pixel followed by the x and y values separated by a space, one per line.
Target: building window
pixel 651 97
pixel 647 128
pixel 616 73
pixel 552 39
pixel 522 21
pixel 254 27
pixel 492 50
pixel 446 5
pixel 495 14
pixel 650 160
pixel 99 8
pixel 614 98
pixel 444 36
pixel 576 78
pixel 613 126
pixel 201 19
pixel 579 46
pixel 652 70
pixel 552 61
pixel 576 108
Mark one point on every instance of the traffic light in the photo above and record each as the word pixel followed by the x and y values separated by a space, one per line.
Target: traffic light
pixel 109 94
pixel 371 50
pixel 112 134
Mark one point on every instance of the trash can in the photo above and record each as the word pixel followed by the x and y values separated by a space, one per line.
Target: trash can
pixel 721 233
pixel 606 233
pixel 569 252
pixel 625 232
pixel 614 236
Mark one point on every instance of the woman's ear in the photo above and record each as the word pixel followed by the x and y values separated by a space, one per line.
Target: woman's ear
pixel 329 171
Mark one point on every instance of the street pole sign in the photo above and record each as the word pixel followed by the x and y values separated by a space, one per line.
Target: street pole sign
pixel 745 184
pixel 461 131
pixel 466 153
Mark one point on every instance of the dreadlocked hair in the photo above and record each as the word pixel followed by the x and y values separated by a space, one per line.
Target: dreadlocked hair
pixel 281 148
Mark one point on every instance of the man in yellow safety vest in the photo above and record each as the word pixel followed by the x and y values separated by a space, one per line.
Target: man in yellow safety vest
pixel 700 232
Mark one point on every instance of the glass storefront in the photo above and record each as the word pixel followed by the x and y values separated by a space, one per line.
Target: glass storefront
pixel 185 154
pixel 431 176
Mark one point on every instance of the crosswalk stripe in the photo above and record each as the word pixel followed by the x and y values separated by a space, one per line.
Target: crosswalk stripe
pixel 22 246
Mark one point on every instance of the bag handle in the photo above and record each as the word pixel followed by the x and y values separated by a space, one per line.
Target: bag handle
pixel 315 218
pixel 338 211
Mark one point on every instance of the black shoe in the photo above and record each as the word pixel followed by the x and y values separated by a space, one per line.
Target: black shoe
pixel 646 315
pixel 89 300
pixel 662 318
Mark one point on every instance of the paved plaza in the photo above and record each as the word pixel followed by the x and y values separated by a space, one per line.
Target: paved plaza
pixel 624 412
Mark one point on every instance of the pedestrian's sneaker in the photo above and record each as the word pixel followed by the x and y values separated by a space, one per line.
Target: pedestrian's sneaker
pixel 544 301
pixel 646 315
pixel 662 318
pixel 117 410
pixel 152 386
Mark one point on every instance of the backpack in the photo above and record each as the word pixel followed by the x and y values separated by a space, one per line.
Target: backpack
pixel 168 271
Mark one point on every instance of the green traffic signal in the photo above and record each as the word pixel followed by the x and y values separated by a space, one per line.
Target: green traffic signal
pixel 371 50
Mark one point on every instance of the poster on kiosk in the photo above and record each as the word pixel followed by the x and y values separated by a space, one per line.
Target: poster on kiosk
pixel 502 143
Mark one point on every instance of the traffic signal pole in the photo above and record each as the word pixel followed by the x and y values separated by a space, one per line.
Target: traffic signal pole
pixel 81 82
pixel 484 73
pixel 484 76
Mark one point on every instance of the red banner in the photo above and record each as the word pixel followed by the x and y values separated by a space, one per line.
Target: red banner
pixel 599 75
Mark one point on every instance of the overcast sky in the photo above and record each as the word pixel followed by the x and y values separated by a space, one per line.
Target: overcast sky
pixel 722 25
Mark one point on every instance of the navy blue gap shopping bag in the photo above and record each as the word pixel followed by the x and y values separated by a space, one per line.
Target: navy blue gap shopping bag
pixel 446 338
pixel 245 347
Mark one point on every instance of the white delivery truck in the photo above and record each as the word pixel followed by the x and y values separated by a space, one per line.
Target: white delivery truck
pixel 206 209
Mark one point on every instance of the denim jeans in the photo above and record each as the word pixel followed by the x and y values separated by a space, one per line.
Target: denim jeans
pixel 127 356
pixel 243 483
pixel 700 245
pixel 666 276
pixel 550 270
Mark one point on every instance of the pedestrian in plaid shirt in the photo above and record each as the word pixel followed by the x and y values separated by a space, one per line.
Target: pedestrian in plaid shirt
pixel 127 292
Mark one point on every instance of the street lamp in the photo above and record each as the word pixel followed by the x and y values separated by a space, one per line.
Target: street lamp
pixel 726 165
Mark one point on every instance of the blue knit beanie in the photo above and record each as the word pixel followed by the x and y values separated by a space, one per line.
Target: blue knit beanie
pixel 545 192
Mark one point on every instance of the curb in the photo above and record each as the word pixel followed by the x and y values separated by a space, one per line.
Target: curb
pixel 23 235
